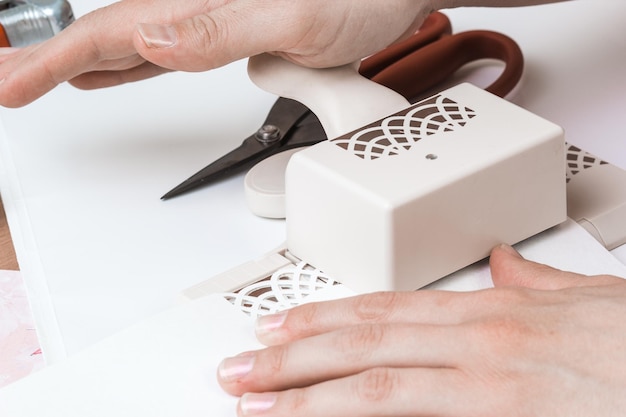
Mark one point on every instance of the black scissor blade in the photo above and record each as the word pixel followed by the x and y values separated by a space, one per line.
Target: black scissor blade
pixel 245 156
pixel 286 114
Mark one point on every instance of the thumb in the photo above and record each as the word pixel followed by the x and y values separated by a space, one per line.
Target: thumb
pixel 509 268
pixel 207 41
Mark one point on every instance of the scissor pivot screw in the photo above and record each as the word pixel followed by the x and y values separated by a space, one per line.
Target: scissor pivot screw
pixel 268 134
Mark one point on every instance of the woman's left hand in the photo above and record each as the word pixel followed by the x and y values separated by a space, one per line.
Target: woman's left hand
pixel 543 342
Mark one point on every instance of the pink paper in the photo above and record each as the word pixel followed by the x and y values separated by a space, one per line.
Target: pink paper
pixel 20 354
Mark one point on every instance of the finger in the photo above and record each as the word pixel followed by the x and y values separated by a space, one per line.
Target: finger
pixel 215 38
pixel 376 392
pixel 509 268
pixel 34 71
pixel 426 307
pixel 301 32
pixel 99 40
pixel 101 79
pixel 7 52
pixel 341 353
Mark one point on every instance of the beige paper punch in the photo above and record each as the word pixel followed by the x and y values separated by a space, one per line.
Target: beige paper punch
pixel 406 194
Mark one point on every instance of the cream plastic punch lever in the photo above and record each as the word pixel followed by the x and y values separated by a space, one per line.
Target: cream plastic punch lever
pixel 335 95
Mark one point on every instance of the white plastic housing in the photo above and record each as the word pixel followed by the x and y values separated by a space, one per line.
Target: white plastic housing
pixel 430 194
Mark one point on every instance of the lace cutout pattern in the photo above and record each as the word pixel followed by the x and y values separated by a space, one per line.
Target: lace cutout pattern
pixel 578 160
pixel 287 287
pixel 399 132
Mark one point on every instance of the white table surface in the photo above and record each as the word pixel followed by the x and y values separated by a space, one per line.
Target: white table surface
pixel 82 172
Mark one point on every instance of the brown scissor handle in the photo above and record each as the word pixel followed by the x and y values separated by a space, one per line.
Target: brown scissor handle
pixel 434 28
pixel 4 39
pixel 413 73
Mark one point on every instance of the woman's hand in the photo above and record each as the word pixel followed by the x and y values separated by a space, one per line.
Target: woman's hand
pixel 136 39
pixel 543 342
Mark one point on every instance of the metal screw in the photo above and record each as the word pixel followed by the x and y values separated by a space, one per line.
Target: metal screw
pixel 431 156
pixel 268 134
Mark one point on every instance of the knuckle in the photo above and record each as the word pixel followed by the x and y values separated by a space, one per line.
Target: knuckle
pixel 275 359
pixel 293 402
pixel 357 343
pixel 308 315
pixel 376 385
pixel 376 306
pixel 205 31
pixel 297 401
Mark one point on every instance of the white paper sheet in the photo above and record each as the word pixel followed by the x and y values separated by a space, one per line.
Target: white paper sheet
pixel 164 366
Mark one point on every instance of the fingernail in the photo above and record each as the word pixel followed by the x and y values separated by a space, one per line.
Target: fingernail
pixel 237 367
pixel 157 36
pixel 253 404
pixel 7 50
pixel 510 250
pixel 270 322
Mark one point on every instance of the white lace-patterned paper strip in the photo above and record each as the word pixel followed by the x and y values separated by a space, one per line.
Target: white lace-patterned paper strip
pixel 399 132
pixel 286 288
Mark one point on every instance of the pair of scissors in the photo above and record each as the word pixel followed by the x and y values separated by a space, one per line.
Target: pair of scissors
pixel 411 67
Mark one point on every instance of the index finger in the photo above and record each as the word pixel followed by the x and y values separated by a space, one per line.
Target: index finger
pixel 425 307
pixel 34 71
